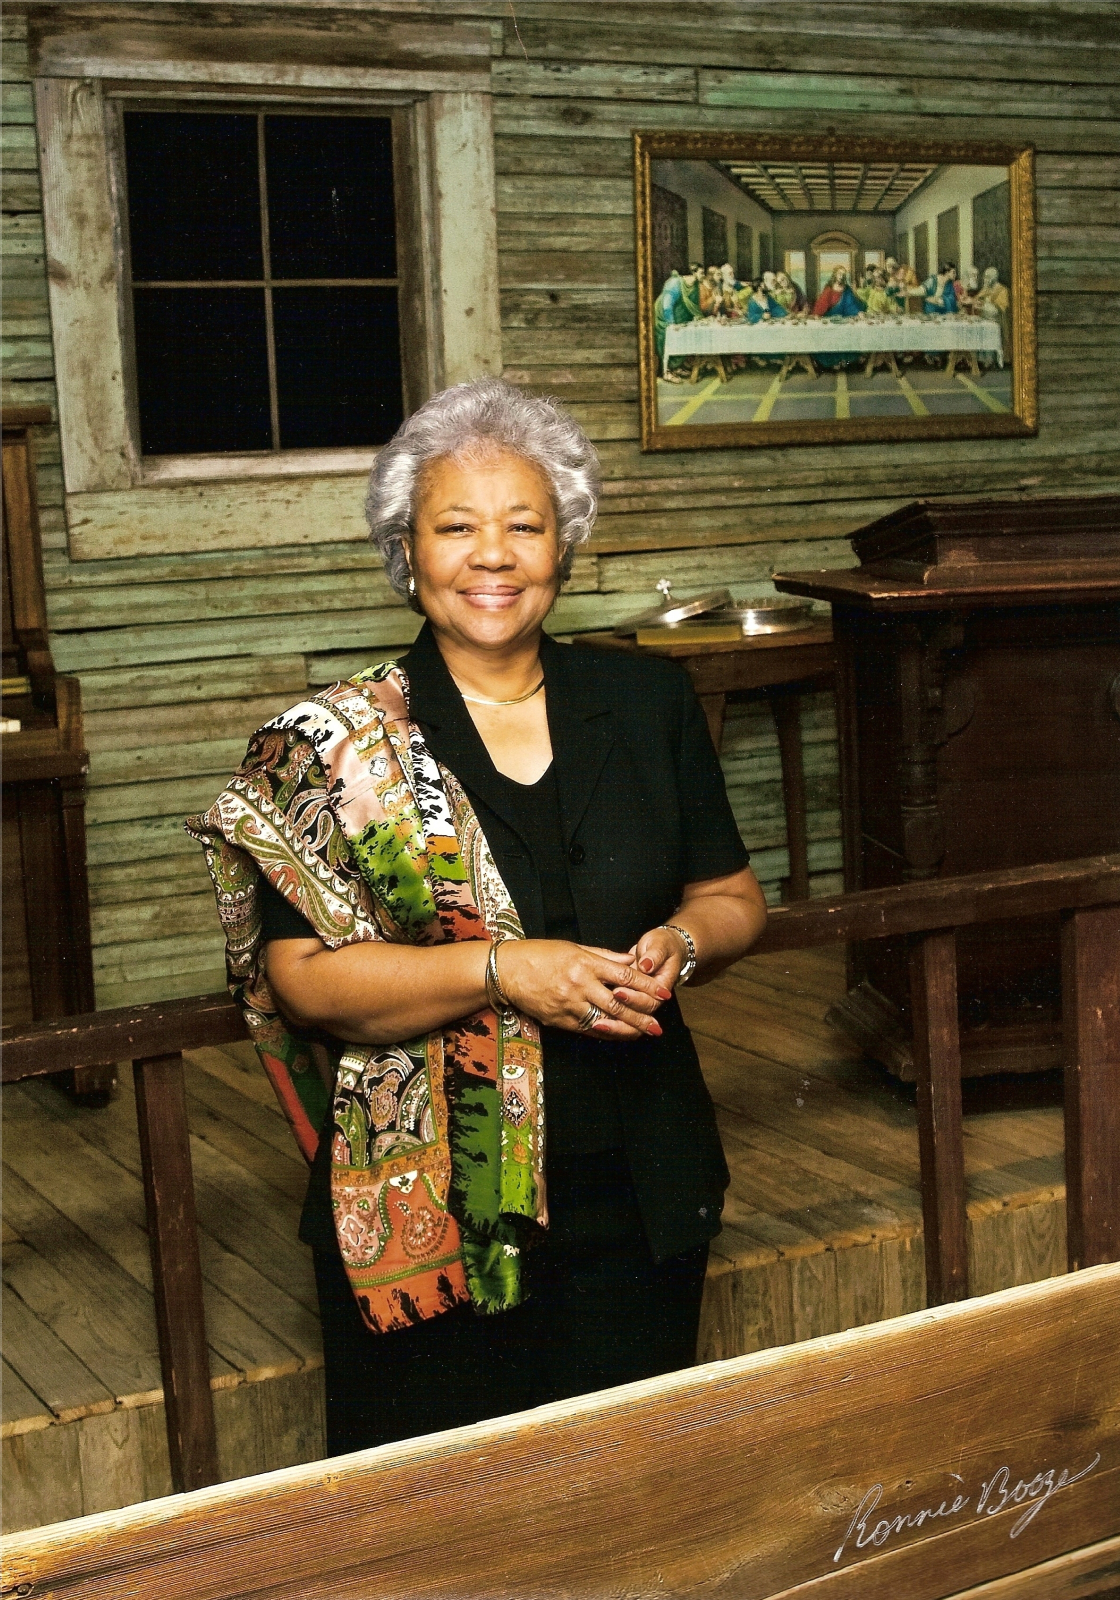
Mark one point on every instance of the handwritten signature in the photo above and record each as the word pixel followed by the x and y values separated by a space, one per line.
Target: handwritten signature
pixel 995 1495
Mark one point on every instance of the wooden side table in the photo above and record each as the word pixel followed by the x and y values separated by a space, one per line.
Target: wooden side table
pixel 783 666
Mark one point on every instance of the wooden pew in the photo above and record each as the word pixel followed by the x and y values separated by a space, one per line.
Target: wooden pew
pixel 927 1456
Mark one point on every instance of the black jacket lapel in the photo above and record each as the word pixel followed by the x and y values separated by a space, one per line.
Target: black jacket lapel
pixel 581 726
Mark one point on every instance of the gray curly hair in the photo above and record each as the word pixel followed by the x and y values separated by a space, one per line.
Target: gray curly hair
pixel 486 412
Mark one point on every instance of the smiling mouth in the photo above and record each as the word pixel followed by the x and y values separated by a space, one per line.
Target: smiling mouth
pixel 492 599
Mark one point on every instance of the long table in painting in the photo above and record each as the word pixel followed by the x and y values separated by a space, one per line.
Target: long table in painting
pixel 881 339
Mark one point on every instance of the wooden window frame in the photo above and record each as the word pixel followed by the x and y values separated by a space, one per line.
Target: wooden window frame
pixel 448 300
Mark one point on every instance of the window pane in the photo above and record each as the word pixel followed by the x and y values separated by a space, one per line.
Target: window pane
pixel 338 366
pixel 193 195
pixel 202 370
pixel 330 197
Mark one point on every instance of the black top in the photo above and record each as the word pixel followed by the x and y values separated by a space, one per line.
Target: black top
pixel 632 809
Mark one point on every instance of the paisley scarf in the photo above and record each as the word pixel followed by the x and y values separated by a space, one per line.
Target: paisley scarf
pixel 437 1143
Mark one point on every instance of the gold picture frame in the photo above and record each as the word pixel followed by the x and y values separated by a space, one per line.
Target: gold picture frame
pixel 812 204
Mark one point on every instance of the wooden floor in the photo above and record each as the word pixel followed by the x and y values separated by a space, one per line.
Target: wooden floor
pixel 822 1232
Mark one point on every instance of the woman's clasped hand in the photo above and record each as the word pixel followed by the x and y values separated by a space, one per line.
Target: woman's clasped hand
pixel 559 984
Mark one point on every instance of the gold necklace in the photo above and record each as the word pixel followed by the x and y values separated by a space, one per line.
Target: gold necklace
pixel 516 701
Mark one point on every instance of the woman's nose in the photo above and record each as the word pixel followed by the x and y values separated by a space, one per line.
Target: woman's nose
pixel 491 547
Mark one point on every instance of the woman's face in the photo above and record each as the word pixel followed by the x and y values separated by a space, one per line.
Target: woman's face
pixel 485 552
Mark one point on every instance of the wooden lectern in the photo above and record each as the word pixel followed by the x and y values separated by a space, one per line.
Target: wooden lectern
pixel 978 703
pixel 48 967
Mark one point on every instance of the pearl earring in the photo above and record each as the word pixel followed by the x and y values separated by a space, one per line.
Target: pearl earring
pixel 411 587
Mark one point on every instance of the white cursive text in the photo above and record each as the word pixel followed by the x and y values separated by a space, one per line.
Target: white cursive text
pixel 996 1495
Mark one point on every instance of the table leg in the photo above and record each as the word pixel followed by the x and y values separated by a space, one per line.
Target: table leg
pixel 786 708
pixel 715 706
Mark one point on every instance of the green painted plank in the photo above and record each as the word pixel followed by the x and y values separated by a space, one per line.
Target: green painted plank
pixel 175 797
pixel 143 921
pixel 139 727
pixel 519 234
pixel 602 119
pixel 20 191
pixel 22 236
pixel 604 158
pixel 164 986
pixel 1079 207
pixel 186 759
pixel 192 954
pixel 19 148
pixel 165 877
pixel 581 79
pixel 907 96
pixel 818 39
pixel 252 513
pixel 118 687
pixel 738 566
pixel 208 566
pixel 150 838
pixel 16 104
pixel 162 604
pixel 536 347
pixel 543 269
pixel 586 310
pixel 576 195
pixel 143 646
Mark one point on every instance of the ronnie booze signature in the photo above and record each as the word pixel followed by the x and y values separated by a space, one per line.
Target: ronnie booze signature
pixel 996 1495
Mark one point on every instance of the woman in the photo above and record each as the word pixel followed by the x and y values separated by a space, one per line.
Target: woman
pixel 467 885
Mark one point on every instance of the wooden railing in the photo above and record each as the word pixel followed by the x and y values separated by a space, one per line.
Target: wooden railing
pixel 1086 893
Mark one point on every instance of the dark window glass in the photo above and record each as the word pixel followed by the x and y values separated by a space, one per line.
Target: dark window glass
pixel 202 370
pixel 193 195
pixel 228 369
pixel 330 197
pixel 338 367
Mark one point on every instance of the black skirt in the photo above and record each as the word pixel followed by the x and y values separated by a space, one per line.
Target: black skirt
pixel 598 1311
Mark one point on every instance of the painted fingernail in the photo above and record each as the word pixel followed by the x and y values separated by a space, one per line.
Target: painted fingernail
pixel 655 1029
pixel 599 1027
pixel 664 994
pixel 646 965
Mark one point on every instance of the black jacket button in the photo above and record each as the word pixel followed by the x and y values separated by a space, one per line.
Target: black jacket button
pixel 576 855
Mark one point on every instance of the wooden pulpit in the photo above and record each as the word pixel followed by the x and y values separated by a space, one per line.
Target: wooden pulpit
pixel 978 704
pixel 48 968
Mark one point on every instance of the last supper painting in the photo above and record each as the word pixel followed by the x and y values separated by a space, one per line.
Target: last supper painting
pixel 800 291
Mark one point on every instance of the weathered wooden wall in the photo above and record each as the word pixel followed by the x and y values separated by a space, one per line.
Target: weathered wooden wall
pixel 181 655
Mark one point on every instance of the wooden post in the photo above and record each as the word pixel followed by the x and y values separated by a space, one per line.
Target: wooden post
pixel 1091 1028
pixel 937 1057
pixel 161 1112
pixel 786 708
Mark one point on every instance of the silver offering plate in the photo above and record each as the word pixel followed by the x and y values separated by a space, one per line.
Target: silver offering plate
pixel 767 614
pixel 712 606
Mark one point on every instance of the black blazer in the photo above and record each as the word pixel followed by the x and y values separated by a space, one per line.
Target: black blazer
pixel 644 811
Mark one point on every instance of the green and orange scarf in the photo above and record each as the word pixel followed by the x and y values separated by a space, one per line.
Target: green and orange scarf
pixel 437 1144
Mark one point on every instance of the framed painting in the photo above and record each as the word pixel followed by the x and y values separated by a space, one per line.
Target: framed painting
pixel 825 290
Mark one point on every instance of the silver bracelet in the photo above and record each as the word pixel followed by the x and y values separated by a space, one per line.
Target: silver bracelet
pixel 499 1000
pixel 690 962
